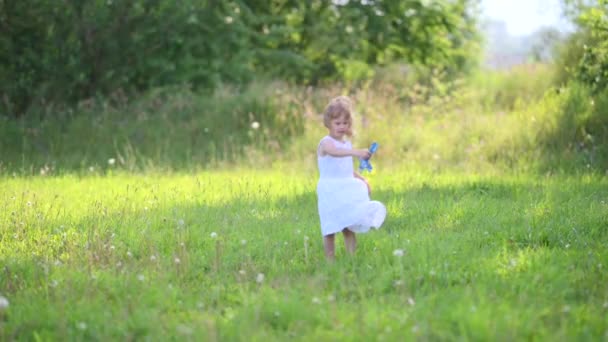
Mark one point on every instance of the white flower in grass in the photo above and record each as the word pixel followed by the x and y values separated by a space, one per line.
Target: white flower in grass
pixel 111 161
pixel 243 242
pixel 255 125
pixel 398 252
pixel 316 300
pixel 411 301
pixel 177 260
pixel 260 278
pixel 3 303
pixel 153 257
pixel 141 277
pixel 242 272
pixel 129 254
pixel 213 235
pixel 81 326
pixel 181 222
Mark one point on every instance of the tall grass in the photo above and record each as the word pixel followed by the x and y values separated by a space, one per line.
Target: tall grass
pixel 493 122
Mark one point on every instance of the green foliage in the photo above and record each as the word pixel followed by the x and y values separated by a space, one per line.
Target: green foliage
pixel 69 51
pixel 585 56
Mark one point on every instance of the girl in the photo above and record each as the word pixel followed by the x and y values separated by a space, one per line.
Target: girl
pixel 343 194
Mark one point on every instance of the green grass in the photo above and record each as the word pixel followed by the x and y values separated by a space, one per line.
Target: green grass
pixel 181 257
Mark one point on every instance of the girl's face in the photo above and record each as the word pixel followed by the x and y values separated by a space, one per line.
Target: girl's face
pixel 338 127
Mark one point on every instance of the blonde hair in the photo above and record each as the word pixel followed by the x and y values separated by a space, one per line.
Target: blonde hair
pixel 337 107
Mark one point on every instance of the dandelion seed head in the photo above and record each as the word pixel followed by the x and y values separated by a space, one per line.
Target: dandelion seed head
pixel 184 330
pixel 4 303
pixel 260 278
pixel 213 235
pixel 111 161
pixel 255 125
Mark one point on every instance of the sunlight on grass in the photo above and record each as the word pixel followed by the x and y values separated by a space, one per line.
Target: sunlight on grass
pixel 228 255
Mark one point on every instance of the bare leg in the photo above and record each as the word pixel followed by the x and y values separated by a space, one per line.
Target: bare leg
pixel 350 241
pixel 330 246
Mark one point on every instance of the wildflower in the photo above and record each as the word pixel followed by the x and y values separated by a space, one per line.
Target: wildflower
pixel 316 300
pixel 213 235
pixel 3 303
pixel 243 242
pixel 255 125
pixel 259 278
pixel 153 258
pixel 177 260
pixel 411 301
pixel 129 254
pixel 141 277
pixel 81 326
pixel 111 161
pixel 398 253
pixel 228 20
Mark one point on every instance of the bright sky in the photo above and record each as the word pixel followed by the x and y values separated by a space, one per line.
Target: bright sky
pixel 523 17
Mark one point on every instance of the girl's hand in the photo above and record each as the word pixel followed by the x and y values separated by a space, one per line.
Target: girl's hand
pixel 369 188
pixel 363 154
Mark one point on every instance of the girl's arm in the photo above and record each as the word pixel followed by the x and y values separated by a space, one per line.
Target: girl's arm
pixel 328 147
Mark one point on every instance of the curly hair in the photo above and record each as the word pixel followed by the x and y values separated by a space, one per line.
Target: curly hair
pixel 338 107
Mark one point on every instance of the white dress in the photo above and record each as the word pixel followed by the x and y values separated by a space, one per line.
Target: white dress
pixel 343 200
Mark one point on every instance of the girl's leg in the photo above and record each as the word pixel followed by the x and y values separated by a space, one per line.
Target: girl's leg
pixel 350 241
pixel 330 246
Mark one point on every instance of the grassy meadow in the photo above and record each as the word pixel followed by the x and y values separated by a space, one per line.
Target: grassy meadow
pixel 160 219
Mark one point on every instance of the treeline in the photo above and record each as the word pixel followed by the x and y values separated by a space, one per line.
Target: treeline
pixel 61 52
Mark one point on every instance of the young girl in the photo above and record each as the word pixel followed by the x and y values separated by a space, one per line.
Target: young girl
pixel 343 194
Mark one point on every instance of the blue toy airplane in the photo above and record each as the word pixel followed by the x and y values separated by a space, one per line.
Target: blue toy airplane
pixel 365 163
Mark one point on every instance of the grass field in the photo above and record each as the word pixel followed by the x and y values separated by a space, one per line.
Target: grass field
pixel 238 256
